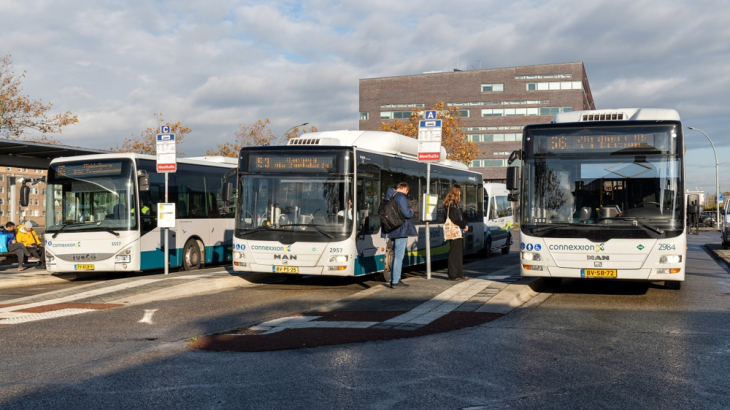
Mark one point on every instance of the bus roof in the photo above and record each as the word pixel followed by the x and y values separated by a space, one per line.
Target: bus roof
pixel 378 142
pixel 218 161
pixel 618 114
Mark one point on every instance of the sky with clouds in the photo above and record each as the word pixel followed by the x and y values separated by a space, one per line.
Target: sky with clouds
pixel 215 64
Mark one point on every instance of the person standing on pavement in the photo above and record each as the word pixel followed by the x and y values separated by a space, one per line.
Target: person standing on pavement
pixel 15 246
pixel 456 250
pixel 400 235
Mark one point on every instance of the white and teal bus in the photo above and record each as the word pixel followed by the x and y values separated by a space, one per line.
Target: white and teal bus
pixel 498 219
pixel 101 213
pixel 310 207
pixel 602 196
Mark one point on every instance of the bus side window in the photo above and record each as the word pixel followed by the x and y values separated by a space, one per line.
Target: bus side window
pixel 486 204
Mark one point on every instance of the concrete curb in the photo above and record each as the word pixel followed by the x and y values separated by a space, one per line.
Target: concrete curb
pixel 41 279
pixel 718 253
pixel 513 296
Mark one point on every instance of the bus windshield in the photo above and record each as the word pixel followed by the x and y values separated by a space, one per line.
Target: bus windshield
pixel 318 206
pixel 92 195
pixel 632 196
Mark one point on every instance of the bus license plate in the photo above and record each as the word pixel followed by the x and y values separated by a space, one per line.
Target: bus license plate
pixel 286 269
pixel 598 273
pixel 84 267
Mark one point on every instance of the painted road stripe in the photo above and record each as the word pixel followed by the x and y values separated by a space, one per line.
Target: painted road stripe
pixel 32 317
pixel 83 295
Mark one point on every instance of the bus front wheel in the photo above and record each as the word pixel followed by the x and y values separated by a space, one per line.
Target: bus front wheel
pixel 191 255
pixel 487 247
pixel 505 248
pixel 672 284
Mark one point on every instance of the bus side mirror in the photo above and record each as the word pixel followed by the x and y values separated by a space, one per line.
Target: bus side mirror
pixel 144 180
pixel 513 178
pixel 227 192
pixel 24 195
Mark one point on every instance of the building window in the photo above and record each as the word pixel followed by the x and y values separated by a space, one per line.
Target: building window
pixel 413 105
pixel 44 191
pixel 2 201
pixel 364 116
pixel 393 115
pixel 2 189
pixel 517 112
pixel 536 77
pixel 463 113
pixel 2 177
pixel 565 85
pixel 495 137
pixel 492 87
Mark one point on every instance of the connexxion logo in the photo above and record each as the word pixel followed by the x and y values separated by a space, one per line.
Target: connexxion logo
pixel 594 248
pixel 63 244
pixel 271 248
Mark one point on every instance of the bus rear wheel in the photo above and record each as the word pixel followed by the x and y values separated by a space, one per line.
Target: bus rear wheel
pixel 505 248
pixel 191 255
pixel 487 247
pixel 672 284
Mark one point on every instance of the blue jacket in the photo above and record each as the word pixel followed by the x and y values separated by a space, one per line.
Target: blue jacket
pixel 10 236
pixel 407 229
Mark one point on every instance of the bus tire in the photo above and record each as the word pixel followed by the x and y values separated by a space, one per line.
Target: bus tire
pixel 725 245
pixel 505 248
pixel 672 284
pixel 552 282
pixel 487 251
pixel 191 255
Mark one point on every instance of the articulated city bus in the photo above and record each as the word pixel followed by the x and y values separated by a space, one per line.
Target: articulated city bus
pixel 602 196
pixel 310 207
pixel 101 213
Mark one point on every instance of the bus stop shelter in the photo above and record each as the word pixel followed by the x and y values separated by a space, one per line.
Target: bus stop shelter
pixel 24 154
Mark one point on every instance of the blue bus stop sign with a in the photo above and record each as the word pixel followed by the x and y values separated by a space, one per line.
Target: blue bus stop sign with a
pixel 430 115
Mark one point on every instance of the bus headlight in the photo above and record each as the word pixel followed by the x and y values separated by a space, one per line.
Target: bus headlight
pixel 666 270
pixel 532 267
pixel 239 255
pixel 670 259
pixel 50 259
pixel 529 256
pixel 338 259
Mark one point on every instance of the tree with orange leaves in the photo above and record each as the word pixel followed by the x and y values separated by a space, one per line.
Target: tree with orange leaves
pixel 19 113
pixel 253 135
pixel 146 142
pixel 457 145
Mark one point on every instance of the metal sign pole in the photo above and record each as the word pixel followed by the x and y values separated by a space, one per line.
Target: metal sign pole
pixel 167 235
pixel 428 228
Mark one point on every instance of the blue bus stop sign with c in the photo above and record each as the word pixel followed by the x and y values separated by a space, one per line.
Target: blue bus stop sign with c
pixel 430 115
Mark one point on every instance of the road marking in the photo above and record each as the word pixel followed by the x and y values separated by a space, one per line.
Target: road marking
pixel 147 318
pixel 82 295
pixel 32 317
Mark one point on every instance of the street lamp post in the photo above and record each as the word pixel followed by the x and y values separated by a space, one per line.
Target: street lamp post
pixel 717 177
pixel 300 125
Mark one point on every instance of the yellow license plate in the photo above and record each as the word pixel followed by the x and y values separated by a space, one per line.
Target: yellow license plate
pixel 286 269
pixel 598 273
pixel 84 267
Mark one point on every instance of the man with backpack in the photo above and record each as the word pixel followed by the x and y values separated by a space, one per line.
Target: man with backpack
pixel 399 235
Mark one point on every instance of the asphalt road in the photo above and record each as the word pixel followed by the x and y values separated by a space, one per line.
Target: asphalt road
pixel 591 345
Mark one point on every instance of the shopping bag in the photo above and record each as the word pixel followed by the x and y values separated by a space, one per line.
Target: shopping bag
pixel 451 230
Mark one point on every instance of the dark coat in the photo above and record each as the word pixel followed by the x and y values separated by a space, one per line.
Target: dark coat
pixel 407 229
pixel 456 216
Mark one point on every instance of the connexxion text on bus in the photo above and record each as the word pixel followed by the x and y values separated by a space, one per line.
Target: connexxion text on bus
pixel 602 196
pixel 101 213
pixel 310 207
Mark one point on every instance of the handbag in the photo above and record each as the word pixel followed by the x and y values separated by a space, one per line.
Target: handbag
pixel 451 230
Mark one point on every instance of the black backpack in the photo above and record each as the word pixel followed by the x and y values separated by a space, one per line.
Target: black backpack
pixel 390 214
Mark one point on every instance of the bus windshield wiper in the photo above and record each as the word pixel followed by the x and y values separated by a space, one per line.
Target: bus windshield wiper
pixel 110 230
pixel 563 225
pixel 66 226
pixel 644 225
pixel 315 227
pixel 259 229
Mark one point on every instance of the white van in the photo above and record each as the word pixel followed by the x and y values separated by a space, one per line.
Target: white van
pixel 498 219
pixel 725 226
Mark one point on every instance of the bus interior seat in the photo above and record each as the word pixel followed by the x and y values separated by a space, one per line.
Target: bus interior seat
pixel 585 214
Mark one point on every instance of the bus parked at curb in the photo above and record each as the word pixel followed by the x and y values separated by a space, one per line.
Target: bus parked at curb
pixel 498 219
pixel 101 213
pixel 310 207
pixel 602 196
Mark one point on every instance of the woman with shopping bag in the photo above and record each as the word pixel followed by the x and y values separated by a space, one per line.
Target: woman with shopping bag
pixel 453 228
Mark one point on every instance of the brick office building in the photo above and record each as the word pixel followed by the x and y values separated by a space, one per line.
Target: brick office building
pixel 495 104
